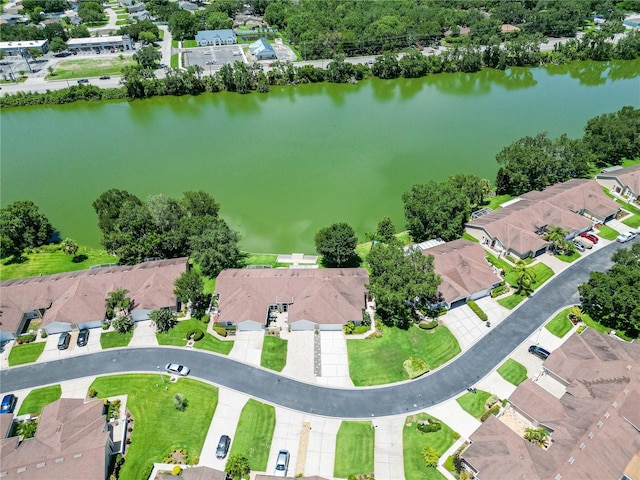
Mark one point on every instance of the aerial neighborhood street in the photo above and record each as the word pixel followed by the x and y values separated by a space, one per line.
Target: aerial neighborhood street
pixel 349 240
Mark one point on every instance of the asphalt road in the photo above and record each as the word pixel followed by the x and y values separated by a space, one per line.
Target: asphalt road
pixel 271 387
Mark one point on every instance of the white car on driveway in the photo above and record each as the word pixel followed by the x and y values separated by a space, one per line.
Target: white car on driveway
pixel 625 237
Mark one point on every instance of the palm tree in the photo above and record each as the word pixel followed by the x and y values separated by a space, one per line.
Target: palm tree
pixel 117 301
pixel 69 246
pixel 556 235
pixel 526 277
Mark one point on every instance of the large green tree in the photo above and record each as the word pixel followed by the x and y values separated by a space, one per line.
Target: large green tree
pixel 163 319
pixel 337 244
pixel 216 248
pixel 614 136
pixel 22 226
pixel 612 298
pixel 108 206
pixel 435 210
pixel 533 163
pixel 147 57
pixel 400 281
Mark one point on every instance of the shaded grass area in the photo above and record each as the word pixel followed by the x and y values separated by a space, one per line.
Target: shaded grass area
pixel 495 202
pixel 69 69
pixel 354 449
pixel 376 361
pixel 471 238
pixel 25 353
pixel 474 403
pixel 274 353
pixel 50 262
pixel 115 339
pixel 254 434
pixel 560 324
pixel 39 398
pixel 513 372
pixel 159 427
pixel 607 233
pixel 414 441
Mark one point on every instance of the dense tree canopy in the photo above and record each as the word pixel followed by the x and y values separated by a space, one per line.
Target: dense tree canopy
pixel 533 163
pixel 614 136
pixel 337 244
pixel 216 248
pixel 22 226
pixel 401 281
pixel 612 298
pixel 435 210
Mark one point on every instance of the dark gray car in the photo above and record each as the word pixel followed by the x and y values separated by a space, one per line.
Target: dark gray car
pixel 63 341
pixel 539 352
pixel 223 446
pixel 83 337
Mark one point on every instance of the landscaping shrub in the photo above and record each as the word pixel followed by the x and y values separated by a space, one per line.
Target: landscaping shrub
pixel 361 329
pixel 499 290
pixel 180 402
pixel 105 326
pixel 93 393
pixel 43 334
pixel 205 318
pixel 220 331
pixel 429 426
pixel 492 411
pixel 199 335
pixel 428 326
pixel 348 328
pixel 477 310
pixel 448 464
pixel 430 456
pixel 177 470
pixel 26 338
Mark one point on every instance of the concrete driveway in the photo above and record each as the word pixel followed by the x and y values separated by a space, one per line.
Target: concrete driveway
pixel 247 347
pixel 51 351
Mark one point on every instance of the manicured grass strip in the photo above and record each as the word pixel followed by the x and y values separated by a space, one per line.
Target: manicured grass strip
pixel 473 403
pixel 607 233
pixel 274 353
pixel 48 263
pixel 25 353
pixel 568 258
pixel 177 336
pixel 511 301
pixel 115 339
pixel 513 372
pixel 90 68
pixel 376 361
pixel 560 324
pixel 354 449
pixel 541 271
pixel 212 344
pixel 189 44
pixel 633 222
pixel 590 322
pixel 414 441
pixel 159 428
pixel 263 259
pixel 174 60
pixel 39 398
pixel 471 238
pixel 254 434
pixel 495 202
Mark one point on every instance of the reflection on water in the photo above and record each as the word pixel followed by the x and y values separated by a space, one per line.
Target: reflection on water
pixel 287 163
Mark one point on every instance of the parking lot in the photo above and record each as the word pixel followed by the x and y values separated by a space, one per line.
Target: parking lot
pixel 213 57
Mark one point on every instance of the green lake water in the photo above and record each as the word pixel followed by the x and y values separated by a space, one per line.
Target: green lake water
pixel 287 163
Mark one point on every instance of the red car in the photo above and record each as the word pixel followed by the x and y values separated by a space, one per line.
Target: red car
pixel 589 237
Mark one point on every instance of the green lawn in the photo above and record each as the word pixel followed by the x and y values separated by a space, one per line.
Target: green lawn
pixel 414 441
pixel 495 202
pixel 354 449
pixel 473 403
pixel 159 428
pixel 115 339
pixel 39 398
pixel 47 263
pixel 25 353
pixel 560 324
pixel 274 353
pixel 212 344
pixel 568 258
pixel 174 60
pixel 513 372
pixel 471 238
pixel 376 361
pixel 607 233
pixel 69 69
pixel 254 434
pixel 189 44
pixel 511 301
pixel 177 336
pixel 263 259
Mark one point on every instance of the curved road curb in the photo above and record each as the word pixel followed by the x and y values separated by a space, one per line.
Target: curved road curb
pixel 271 387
